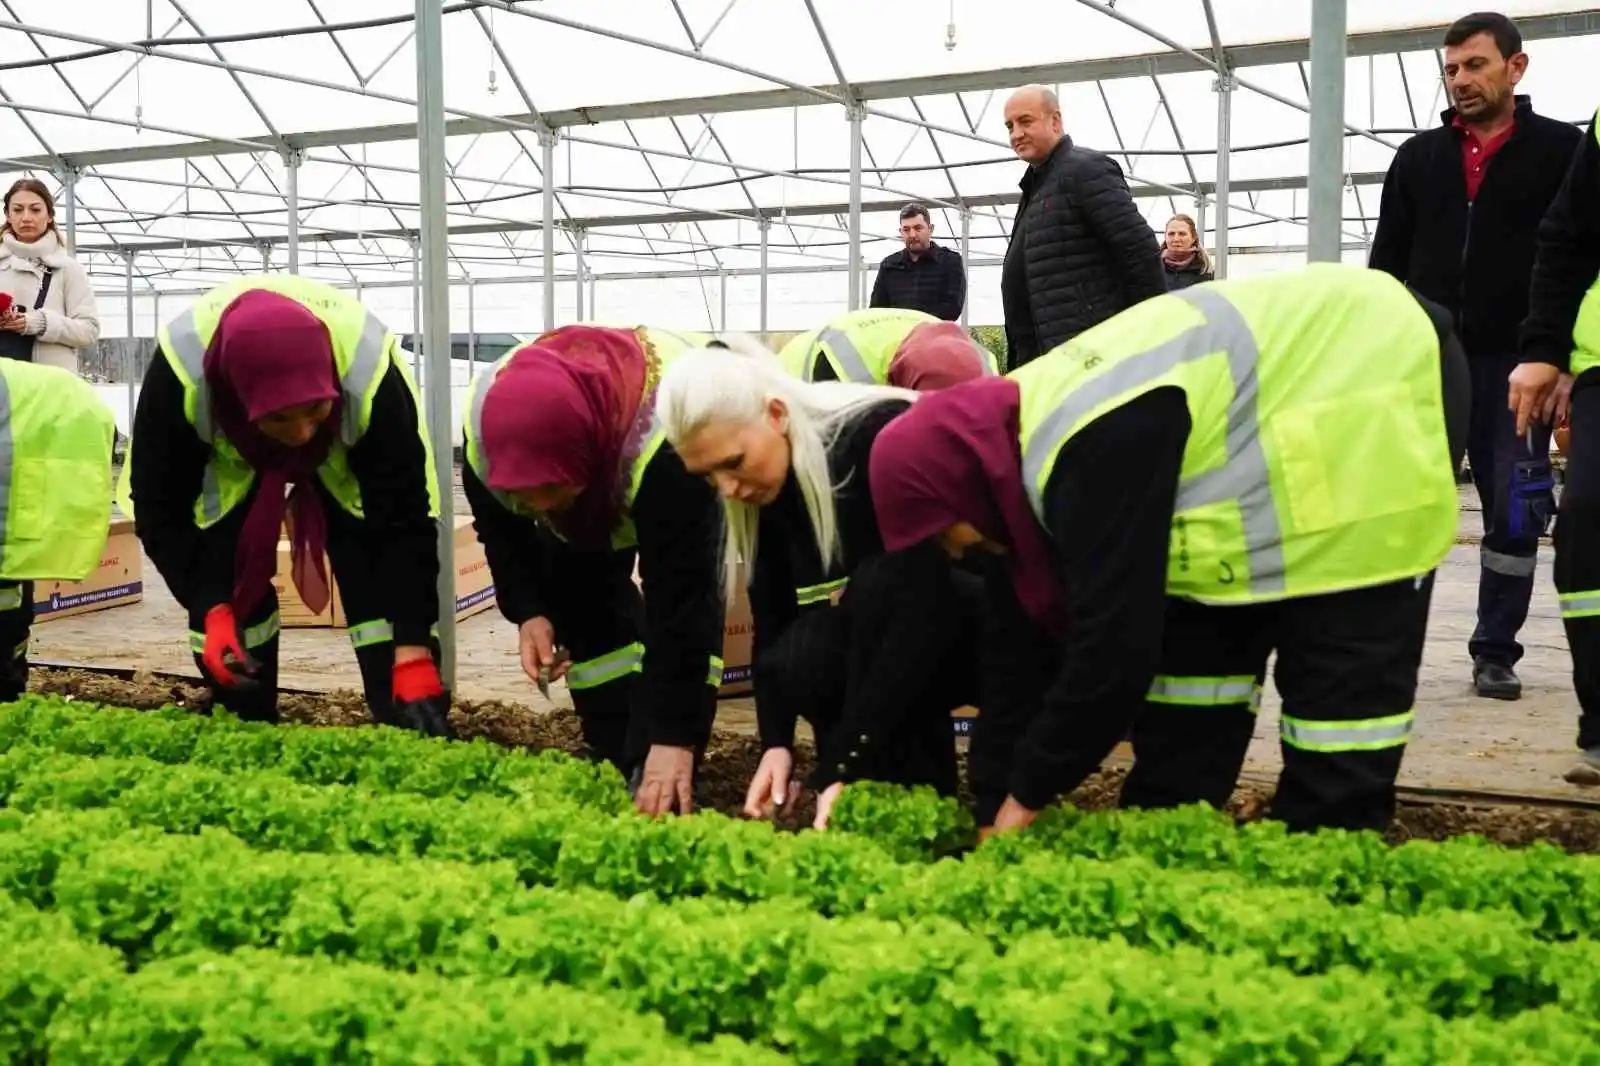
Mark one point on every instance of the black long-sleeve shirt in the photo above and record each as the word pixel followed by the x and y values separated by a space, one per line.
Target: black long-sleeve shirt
pixel 390 467
pixel 787 559
pixel 677 520
pixel 1567 261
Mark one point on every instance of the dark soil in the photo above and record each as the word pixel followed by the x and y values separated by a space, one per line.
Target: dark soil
pixel 732 757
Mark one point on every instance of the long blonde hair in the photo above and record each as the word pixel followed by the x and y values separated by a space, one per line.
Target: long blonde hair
pixel 707 386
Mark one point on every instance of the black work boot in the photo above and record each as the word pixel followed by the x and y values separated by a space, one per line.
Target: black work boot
pixel 1495 681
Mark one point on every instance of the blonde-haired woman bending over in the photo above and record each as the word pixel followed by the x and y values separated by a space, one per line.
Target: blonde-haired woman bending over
pixel 869 647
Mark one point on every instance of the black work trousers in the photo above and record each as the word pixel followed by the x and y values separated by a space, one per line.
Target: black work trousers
pixel 352 558
pixel 1516 488
pixel 597 612
pixel 830 653
pixel 1347 670
pixel 1577 544
pixel 16 622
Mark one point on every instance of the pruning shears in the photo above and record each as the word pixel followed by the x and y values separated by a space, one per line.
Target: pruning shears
pixel 544 672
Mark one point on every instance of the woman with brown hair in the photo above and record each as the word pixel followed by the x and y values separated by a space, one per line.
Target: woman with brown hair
pixel 1184 260
pixel 47 309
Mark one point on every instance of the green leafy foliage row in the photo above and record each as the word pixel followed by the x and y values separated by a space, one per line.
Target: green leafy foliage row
pixel 70 1002
pixel 848 990
pixel 390 760
pixel 1451 962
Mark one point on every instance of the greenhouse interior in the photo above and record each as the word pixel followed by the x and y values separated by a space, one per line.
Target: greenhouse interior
pixel 185 882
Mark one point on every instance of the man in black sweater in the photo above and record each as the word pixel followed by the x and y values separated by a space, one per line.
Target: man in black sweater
pixel 924 276
pixel 1460 211
pixel 1080 250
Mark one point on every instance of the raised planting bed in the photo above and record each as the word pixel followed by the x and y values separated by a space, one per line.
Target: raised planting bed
pixel 179 887
pixel 733 756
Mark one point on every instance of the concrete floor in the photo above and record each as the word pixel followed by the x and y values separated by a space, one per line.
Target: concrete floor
pixel 1461 741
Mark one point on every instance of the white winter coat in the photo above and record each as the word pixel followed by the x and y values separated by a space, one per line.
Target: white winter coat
pixel 68 321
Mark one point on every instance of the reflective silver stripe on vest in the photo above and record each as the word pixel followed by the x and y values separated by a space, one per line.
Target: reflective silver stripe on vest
pixel 480 393
pixel 191 355
pixel 844 350
pixel 210 494
pixel 365 366
pixel 1243 478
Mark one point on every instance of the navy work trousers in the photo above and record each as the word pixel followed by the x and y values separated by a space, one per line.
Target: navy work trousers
pixel 1516 488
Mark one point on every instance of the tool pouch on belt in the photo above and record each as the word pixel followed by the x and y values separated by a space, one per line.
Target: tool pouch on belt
pixel 1533 501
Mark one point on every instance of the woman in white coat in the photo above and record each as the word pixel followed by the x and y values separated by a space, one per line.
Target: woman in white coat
pixel 52 315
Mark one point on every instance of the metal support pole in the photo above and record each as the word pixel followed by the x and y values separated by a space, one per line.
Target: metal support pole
pixel 966 257
pixel 436 255
pixel 291 203
pixel 1325 170
pixel 69 197
pixel 416 306
pixel 723 311
pixel 266 258
pixel 764 225
pixel 472 331
pixel 1224 88
pixel 547 162
pixel 854 113
pixel 578 273
pixel 133 354
pixel 594 303
pixel 1200 216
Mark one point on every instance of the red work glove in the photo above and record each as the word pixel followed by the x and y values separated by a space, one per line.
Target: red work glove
pixel 419 699
pixel 225 657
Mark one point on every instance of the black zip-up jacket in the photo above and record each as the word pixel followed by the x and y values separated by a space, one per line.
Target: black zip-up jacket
pixel 1475 259
pixel 1194 272
pixel 1568 260
pixel 1080 252
pixel 390 466
pixel 935 283
pixel 678 521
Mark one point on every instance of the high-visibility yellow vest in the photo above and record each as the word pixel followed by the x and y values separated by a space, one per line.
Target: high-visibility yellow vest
pixel 860 345
pixel 1317 460
pixel 1586 329
pixel 660 346
pixel 56 441
pixel 363 351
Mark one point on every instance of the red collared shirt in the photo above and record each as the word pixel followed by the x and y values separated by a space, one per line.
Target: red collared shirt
pixel 1475 154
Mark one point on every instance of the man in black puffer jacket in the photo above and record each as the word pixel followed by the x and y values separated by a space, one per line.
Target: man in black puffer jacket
pixel 1080 250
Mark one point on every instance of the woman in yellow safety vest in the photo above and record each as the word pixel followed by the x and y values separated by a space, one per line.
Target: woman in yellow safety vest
pixel 572 485
pixel 279 398
pixel 871 648
pixel 888 346
pixel 1220 473
pixel 55 511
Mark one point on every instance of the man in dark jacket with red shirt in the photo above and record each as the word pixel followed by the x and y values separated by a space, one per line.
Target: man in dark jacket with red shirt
pixel 1459 217
pixel 1080 250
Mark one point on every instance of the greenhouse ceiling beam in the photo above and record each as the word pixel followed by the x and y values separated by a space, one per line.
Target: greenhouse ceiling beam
pixel 1204 188
pixel 1272 53
pixel 661 275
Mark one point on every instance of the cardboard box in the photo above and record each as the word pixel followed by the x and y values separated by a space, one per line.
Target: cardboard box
pixel 738 637
pixel 117 581
pixel 474 585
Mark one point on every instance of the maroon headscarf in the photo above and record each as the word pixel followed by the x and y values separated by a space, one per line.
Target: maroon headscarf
pixel 954 457
pixel 935 355
pixel 572 408
pixel 270 352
